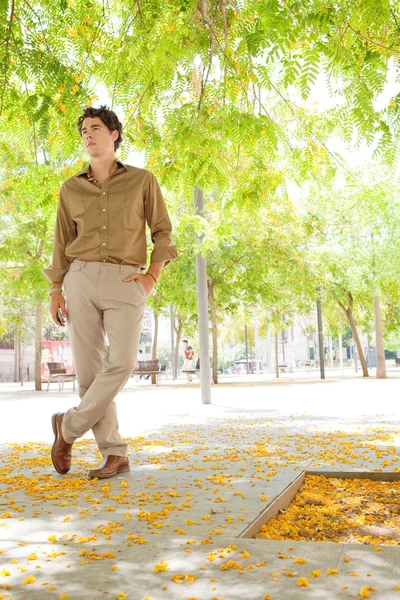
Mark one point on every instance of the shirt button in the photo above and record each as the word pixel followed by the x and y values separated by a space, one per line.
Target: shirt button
pixel 104 260
pixel 103 244
pixel 104 210
pixel 104 226
pixel 104 193
pixel 94 181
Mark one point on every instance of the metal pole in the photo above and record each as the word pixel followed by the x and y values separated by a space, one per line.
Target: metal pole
pixel 202 306
pixel 320 340
pixel 173 365
pixel 256 342
pixel 270 353
pixel 247 349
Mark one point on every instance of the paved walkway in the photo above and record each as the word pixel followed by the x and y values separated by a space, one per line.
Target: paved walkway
pixel 199 476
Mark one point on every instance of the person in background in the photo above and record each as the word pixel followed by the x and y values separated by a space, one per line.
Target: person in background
pixel 139 358
pixel 188 362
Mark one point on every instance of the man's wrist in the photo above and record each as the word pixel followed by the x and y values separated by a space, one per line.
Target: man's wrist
pixel 55 290
pixel 152 276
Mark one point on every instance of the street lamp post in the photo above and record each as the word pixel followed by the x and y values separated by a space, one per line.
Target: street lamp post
pixel 320 340
pixel 202 305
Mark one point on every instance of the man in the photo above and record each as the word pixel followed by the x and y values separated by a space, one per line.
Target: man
pixel 99 251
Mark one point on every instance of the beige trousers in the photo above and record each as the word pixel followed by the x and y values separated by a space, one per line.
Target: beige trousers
pixel 99 302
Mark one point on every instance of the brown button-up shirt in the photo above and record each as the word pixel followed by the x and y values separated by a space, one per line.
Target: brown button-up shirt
pixel 106 222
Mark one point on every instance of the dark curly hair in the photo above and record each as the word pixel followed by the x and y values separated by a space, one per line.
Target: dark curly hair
pixel 108 117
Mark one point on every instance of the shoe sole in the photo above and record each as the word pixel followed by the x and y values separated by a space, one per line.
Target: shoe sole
pixel 54 426
pixel 123 470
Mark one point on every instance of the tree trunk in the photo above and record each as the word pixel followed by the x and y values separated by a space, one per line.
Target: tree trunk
pixel 38 347
pixel 16 355
pixel 380 351
pixel 213 310
pixel 21 359
pixel 276 353
pixel 178 333
pixel 154 346
pixel 349 314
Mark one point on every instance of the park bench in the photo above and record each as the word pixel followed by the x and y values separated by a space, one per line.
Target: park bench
pixel 149 367
pixel 283 367
pixel 309 364
pixel 194 371
pixel 58 372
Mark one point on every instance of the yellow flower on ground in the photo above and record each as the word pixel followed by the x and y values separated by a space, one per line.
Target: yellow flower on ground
pixel 114 568
pixel 299 561
pixel 303 582
pixel 365 591
pixel 63 597
pixel 122 596
pixel 28 580
pixel 162 566
pixel 346 559
pixel 332 571
pixel 5 573
pixel 52 538
pixel 314 574
pixel 32 556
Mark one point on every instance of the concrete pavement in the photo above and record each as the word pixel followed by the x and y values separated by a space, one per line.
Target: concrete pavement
pixel 200 474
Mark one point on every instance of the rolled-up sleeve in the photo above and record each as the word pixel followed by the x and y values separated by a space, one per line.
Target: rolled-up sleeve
pixel 159 223
pixel 65 232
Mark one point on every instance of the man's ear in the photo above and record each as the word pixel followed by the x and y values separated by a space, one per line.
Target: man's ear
pixel 115 135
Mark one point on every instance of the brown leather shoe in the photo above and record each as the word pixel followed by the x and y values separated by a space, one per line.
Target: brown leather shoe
pixel 111 466
pixel 61 451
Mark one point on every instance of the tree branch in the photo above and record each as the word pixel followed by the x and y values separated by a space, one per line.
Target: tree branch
pixel 8 38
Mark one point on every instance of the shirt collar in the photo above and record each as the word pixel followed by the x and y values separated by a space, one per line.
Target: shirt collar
pixel 86 172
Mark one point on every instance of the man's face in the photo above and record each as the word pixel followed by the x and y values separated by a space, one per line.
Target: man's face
pixel 97 138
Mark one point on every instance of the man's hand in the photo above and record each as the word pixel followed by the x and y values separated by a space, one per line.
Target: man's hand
pixel 146 280
pixel 57 301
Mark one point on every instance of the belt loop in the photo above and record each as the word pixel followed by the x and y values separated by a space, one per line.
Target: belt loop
pixel 120 268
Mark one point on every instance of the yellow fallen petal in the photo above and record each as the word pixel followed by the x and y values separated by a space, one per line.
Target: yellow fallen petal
pixel 122 596
pixel 302 582
pixel 299 561
pixel 332 571
pixel 63 597
pixel 28 580
pixel 52 538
